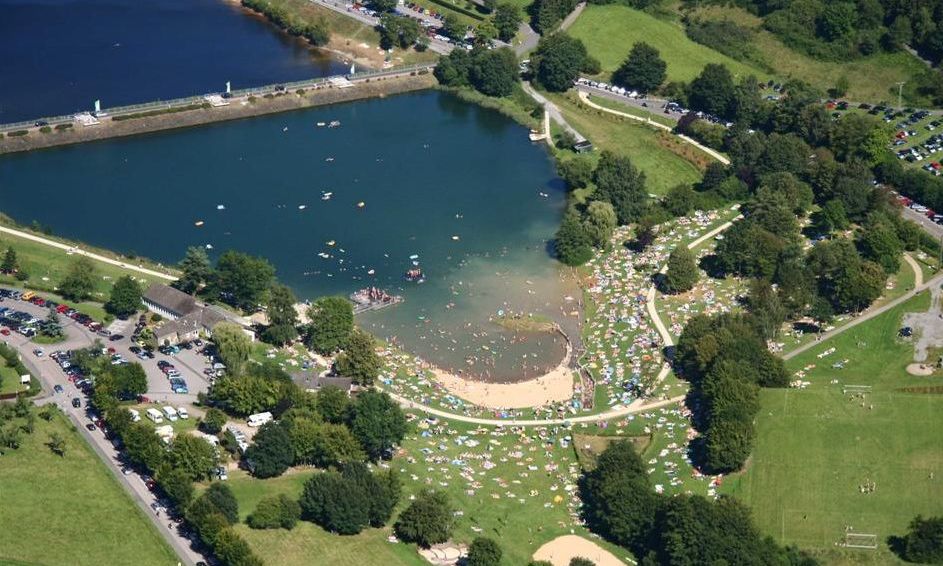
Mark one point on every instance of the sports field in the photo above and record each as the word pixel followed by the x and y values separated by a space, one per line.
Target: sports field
pixel 609 31
pixel 70 509
pixel 828 459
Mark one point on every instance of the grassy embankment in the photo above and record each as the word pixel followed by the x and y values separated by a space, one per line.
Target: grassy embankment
pixel 70 509
pixel 870 79
pixel 816 446
pixel 47 266
pixel 610 31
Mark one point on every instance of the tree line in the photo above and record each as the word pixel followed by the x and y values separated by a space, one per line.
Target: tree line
pixel 620 505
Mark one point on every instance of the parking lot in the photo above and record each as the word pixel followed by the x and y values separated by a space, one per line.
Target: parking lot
pixel 80 332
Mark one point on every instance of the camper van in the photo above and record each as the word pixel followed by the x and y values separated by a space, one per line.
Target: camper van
pixel 170 413
pixel 155 416
pixel 182 413
pixel 135 415
pixel 259 419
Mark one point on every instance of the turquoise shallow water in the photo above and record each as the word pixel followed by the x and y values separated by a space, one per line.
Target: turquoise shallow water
pixel 458 186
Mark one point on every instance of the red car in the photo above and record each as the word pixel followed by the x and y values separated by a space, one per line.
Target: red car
pixel 62 308
pixel 5 331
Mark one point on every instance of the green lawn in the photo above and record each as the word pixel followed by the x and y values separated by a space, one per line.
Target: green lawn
pixel 9 380
pixel 47 266
pixel 609 31
pixel 70 510
pixel 665 160
pixel 870 79
pixel 815 446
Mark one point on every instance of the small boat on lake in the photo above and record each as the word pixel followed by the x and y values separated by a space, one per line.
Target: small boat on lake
pixel 334 124
pixel 372 298
pixel 414 275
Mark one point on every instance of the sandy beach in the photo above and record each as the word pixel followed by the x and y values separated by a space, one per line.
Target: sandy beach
pixel 555 386
pixel 561 550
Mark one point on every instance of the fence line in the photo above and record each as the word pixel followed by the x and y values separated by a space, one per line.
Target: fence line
pixel 199 99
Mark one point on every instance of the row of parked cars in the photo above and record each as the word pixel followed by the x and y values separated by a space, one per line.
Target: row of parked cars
pixel 177 383
pixel 921 209
pixel 60 308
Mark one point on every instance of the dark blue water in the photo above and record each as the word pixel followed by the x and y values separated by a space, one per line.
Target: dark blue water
pixel 59 56
pixel 458 186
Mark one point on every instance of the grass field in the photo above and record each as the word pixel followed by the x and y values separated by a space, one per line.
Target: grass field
pixel 9 380
pixel 70 510
pixel 870 79
pixel 815 446
pixel 609 32
pixel 665 160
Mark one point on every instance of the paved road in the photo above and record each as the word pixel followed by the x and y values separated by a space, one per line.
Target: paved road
pixel 929 226
pixel 133 484
pixel 74 250
pixel 572 16
pixel 936 280
pixel 50 374
pixel 645 104
pixel 441 47
pixel 551 109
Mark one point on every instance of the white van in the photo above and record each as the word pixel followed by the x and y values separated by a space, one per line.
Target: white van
pixel 155 416
pixel 170 413
pixel 135 415
pixel 259 419
pixel 182 413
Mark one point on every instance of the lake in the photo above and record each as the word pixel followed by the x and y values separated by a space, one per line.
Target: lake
pixel 453 187
pixel 59 56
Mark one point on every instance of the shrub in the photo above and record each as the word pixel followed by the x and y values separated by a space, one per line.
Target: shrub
pixel 45 130
pixel 428 520
pixel 63 127
pixel 279 512
pixel 18 133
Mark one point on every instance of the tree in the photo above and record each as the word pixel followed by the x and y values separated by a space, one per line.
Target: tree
pixel 712 91
pixel 206 520
pixel 600 223
pixel 572 244
pixel 275 512
pixel 577 172
pixel 143 446
pixel 879 243
pixel 494 72
pixel 383 5
pixel 335 503
pixel 222 497
pixel 332 404
pixel 213 421
pixel 558 61
pixel 682 272
pixel 176 483
pixel 507 19
pixel 378 423
pixel 643 70
pixel 483 552
pixel 398 31
pixel 10 263
pixel 621 184
pixel 332 321
pixel 79 281
pixel 282 316
pixel 924 541
pixel 580 561
pixel 242 280
pixel 232 550
pixel 246 394
pixel 359 360
pixel 452 27
pixel 57 443
pixel 233 346
pixel 192 455
pixel 334 445
pixel 428 520
pixel 485 33
pixel 271 452
pixel 195 270
pixel 125 297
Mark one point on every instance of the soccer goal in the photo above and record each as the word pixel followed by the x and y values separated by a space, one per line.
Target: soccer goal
pixel 859 389
pixel 861 541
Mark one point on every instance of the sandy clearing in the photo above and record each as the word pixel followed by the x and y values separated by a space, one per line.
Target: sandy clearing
pixel 561 550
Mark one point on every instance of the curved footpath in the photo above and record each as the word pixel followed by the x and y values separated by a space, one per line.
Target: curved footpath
pixel 584 96
pixel 90 255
